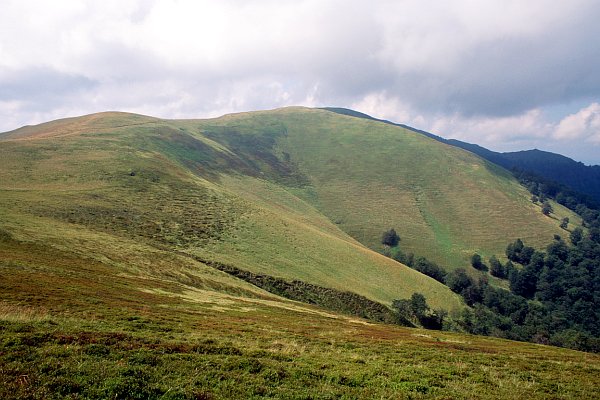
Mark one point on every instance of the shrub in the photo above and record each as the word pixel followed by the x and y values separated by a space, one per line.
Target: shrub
pixel 390 238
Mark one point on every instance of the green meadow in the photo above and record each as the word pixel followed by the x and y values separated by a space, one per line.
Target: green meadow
pixel 72 327
pixel 110 225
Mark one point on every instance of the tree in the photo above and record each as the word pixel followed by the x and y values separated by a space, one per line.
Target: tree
pixel 403 308
pixel 547 208
pixel 418 305
pixel 576 235
pixel 496 268
pixel 513 250
pixel 534 198
pixel 558 249
pixel 526 255
pixel 564 223
pixel 458 280
pixel 477 263
pixel 594 235
pixel 390 238
pixel 508 267
pixel 406 259
pixel 430 269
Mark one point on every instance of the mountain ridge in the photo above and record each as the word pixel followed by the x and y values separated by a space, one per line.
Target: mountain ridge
pixel 298 148
pixel 151 160
pixel 556 167
pixel 159 260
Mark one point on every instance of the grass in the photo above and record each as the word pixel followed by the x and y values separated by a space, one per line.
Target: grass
pixel 166 346
pixel 288 193
pixel 156 184
pixel 299 243
pixel 72 328
pixel 445 203
pixel 103 220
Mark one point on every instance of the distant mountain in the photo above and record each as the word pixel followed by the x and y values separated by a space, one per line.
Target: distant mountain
pixel 552 166
pixel 580 177
pixel 556 167
pixel 295 193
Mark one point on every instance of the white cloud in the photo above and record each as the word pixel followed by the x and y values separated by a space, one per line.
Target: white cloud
pixel 458 68
pixel 577 135
pixel 500 133
pixel 530 125
pixel 583 124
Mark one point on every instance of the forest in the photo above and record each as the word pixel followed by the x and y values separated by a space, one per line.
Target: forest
pixel 552 298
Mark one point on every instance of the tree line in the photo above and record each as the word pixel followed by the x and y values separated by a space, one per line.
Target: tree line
pixel 542 190
pixel 553 294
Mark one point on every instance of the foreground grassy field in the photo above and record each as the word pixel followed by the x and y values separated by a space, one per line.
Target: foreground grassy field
pixel 75 328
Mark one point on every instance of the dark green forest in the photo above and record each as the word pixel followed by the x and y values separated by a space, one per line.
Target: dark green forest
pixel 553 294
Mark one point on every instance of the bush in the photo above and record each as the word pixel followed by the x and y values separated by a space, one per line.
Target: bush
pixel 496 268
pixel 477 263
pixel 430 269
pixel 458 280
pixel 547 208
pixel 390 238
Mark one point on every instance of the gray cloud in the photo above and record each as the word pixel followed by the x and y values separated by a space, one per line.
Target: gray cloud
pixel 480 71
pixel 509 74
pixel 42 87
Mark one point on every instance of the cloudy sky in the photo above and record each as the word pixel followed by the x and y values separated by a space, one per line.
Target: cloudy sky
pixel 506 74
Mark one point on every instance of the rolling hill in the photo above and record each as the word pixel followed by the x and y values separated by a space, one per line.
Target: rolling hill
pixel 366 177
pixel 294 193
pixel 554 167
pixel 130 179
pixel 115 230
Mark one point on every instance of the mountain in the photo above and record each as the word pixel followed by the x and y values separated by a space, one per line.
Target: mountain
pixel 151 258
pixel 216 189
pixel 551 166
pixel 294 193
pixel 350 178
pixel 581 177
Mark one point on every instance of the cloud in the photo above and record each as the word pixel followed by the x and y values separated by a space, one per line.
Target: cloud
pixel 583 124
pixel 484 70
pixel 41 86
pixel 500 133
pixel 493 58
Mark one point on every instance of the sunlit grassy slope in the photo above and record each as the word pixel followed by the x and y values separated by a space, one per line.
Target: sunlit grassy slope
pixel 72 327
pixel 115 177
pixel 105 221
pixel 296 193
pixel 367 176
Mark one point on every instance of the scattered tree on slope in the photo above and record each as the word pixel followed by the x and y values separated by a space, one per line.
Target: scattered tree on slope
pixel 390 238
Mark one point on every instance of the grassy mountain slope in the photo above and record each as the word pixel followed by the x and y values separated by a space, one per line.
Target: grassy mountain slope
pixel 291 193
pixel 104 220
pixel 368 176
pixel 584 179
pixel 158 183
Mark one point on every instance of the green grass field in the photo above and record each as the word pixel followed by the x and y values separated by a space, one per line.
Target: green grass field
pixel 74 328
pixel 367 176
pixel 159 183
pixel 103 220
